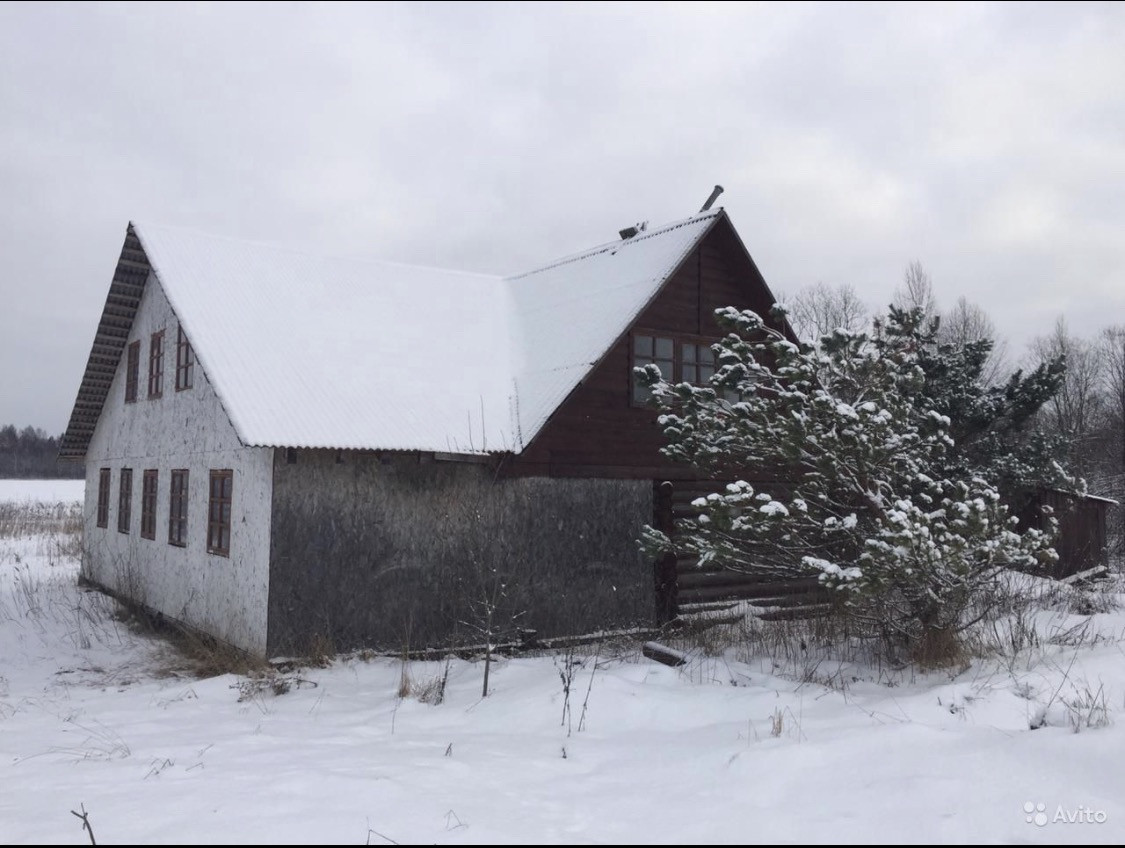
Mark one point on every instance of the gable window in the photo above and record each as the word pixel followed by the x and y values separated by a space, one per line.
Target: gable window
pixel 177 508
pixel 148 504
pixel 680 360
pixel 218 512
pixel 652 350
pixel 125 500
pixel 132 371
pixel 697 363
pixel 185 361
pixel 103 497
pixel 156 365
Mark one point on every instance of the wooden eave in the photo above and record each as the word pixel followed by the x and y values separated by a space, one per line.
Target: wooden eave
pixel 120 309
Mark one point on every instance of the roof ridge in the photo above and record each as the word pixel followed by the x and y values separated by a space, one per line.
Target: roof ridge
pixel 602 248
pixel 307 253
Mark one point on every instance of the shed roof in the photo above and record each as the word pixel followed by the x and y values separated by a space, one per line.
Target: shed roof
pixel 313 351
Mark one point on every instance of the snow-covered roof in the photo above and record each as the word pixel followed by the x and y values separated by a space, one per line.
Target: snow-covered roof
pixel 312 351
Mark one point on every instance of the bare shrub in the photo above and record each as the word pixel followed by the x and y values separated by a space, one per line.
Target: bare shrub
pixel 567 668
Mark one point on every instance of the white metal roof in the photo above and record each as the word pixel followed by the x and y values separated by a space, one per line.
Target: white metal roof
pixel 311 351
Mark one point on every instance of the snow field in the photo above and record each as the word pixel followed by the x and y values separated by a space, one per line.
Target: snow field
pixel 745 747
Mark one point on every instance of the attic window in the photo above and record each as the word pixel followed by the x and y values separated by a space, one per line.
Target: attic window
pixel 132 371
pixel 156 365
pixel 698 363
pixel 685 359
pixel 185 361
pixel 652 350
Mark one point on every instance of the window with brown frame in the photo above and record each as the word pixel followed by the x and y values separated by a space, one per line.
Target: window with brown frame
pixel 156 365
pixel 686 359
pixel 132 371
pixel 185 361
pixel 148 504
pixel 103 497
pixel 697 363
pixel 125 500
pixel 219 512
pixel 651 350
pixel 178 508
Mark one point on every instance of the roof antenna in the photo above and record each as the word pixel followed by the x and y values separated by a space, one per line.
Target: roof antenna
pixel 710 200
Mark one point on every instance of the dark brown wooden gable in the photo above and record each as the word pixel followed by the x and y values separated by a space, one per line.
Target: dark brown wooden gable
pixel 597 432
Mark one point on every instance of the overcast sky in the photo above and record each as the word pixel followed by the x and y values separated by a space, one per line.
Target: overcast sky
pixel 986 141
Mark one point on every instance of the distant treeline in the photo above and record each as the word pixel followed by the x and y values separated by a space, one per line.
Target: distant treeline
pixel 31 454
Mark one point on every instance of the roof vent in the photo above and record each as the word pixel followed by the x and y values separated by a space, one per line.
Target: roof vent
pixel 629 232
pixel 710 200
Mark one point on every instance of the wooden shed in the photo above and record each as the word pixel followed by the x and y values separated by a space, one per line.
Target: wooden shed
pixel 1081 542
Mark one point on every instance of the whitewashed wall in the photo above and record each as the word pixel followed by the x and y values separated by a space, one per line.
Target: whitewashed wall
pixel 224 596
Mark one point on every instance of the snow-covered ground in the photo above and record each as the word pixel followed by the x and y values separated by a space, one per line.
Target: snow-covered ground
pixel 718 751
pixel 42 491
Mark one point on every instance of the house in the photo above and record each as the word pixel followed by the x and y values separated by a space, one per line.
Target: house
pixel 282 448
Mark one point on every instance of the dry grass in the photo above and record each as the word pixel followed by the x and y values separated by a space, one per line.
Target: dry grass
pixel 192 652
pixel 61 522
pixel 48 600
pixel 940 647
pixel 1012 620
pixel 777 722
pixel 1087 707
pixel 321 651
pixel 430 690
pixel 268 681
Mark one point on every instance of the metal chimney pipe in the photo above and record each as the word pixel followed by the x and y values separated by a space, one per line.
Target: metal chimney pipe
pixel 710 200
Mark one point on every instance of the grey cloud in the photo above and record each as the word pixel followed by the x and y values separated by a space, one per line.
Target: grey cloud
pixel 984 140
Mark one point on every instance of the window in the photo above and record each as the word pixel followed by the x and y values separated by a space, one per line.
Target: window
pixel 698 363
pixel 156 365
pixel 652 350
pixel 148 504
pixel 218 513
pixel 125 501
pixel 177 508
pixel 103 498
pixel 132 372
pixel 185 361
pixel 679 361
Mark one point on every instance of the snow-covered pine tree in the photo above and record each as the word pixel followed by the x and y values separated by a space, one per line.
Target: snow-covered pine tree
pixel 993 426
pixel 845 467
